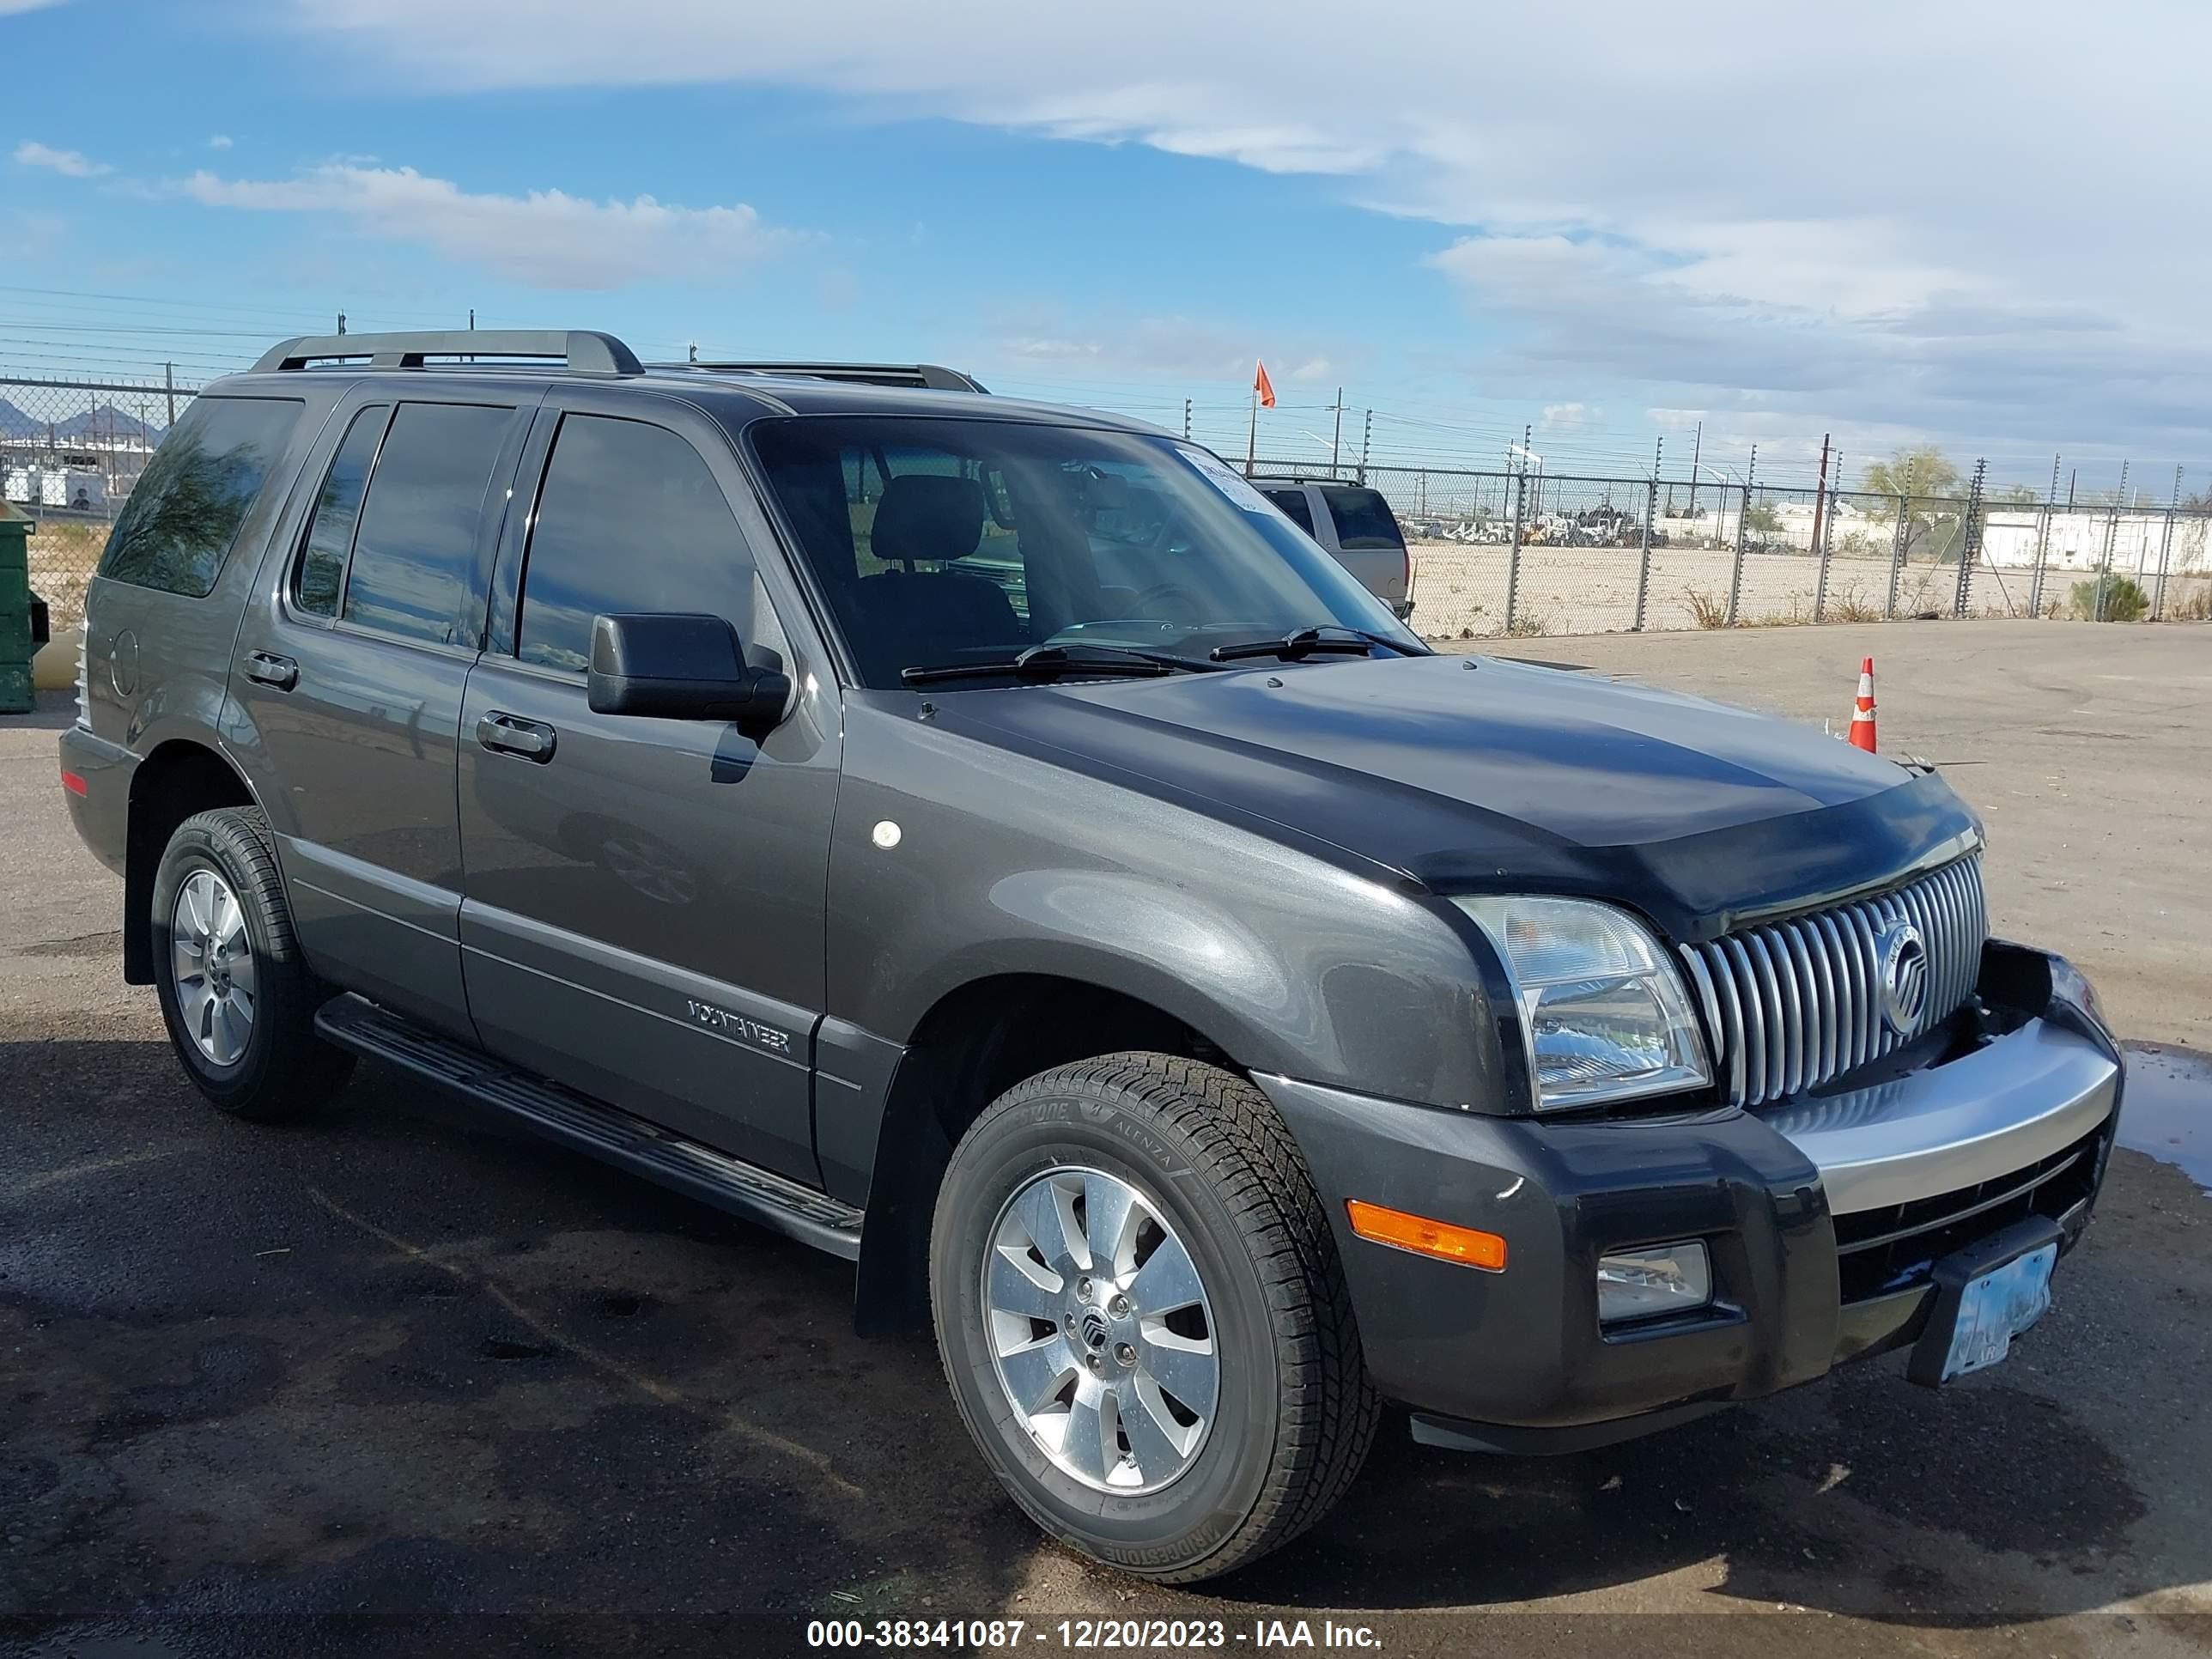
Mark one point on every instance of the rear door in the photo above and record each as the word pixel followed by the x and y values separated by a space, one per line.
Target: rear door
pixel 645 914
pixel 348 679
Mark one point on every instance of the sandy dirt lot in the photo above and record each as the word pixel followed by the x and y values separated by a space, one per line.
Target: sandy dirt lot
pixel 1461 590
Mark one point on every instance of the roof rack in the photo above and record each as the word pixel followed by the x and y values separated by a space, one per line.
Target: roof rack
pixel 932 376
pixel 581 351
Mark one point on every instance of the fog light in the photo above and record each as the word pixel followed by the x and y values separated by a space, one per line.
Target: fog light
pixel 1661 1279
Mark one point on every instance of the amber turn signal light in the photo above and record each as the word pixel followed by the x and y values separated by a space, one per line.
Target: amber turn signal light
pixel 1467 1245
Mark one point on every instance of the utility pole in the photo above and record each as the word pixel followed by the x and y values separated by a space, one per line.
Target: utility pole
pixel 1644 553
pixel 2043 541
pixel 1970 546
pixel 1185 420
pixel 1367 434
pixel 1827 535
pixel 1336 436
pixel 2165 548
pixel 1697 453
pixel 341 322
pixel 2112 533
pixel 1900 545
pixel 1819 503
pixel 169 385
pixel 1742 522
pixel 1520 507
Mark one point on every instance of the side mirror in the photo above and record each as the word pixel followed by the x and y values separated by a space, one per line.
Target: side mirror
pixel 677 665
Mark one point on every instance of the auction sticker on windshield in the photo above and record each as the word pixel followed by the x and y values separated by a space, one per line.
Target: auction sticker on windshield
pixel 1231 484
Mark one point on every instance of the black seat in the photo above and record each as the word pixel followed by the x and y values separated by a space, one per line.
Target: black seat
pixel 925 617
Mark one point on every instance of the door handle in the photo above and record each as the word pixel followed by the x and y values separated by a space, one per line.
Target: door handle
pixel 510 734
pixel 268 669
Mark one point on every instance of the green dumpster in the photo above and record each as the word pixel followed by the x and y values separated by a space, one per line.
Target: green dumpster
pixel 16 644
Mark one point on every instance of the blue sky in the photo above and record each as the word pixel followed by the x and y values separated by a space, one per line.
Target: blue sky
pixel 1610 226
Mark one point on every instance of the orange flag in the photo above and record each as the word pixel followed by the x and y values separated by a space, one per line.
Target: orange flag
pixel 1264 387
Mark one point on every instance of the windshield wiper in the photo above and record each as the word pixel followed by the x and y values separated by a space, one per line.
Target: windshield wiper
pixel 1046 662
pixel 1303 642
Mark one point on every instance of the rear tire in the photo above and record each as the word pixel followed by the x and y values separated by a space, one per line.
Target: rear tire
pixel 1175 1424
pixel 236 994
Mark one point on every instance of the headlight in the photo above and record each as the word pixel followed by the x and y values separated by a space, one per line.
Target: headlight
pixel 1606 1012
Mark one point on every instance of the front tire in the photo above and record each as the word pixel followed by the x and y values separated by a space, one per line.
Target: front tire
pixel 1143 1319
pixel 236 994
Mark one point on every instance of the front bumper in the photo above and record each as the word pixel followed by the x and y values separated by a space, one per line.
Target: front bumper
pixel 1822 1214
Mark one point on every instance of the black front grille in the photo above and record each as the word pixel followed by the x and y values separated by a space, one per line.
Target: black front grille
pixel 1894 1248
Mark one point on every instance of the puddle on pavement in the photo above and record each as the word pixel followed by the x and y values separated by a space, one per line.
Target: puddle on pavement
pixel 2168 1109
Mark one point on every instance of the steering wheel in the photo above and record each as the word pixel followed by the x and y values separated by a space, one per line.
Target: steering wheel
pixel 1160 593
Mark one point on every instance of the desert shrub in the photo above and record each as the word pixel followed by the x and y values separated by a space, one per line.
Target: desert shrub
pixel 2195 605
pixel 1706 610
pixel 1851 606
pixel 2124 600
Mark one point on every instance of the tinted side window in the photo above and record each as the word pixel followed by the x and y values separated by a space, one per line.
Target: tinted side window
pixel 415 551
pixel 337 507
pixel 631 519
pixel 1293 504
pixel 184 514
pixel 1363 517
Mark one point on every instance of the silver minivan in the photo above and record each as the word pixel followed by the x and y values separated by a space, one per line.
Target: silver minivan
pixel 1357 528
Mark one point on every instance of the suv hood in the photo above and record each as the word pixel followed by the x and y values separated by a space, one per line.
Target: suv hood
pixel 1504 775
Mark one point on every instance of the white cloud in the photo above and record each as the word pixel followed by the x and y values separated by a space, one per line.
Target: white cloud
pixel 1909 214
pixel 68 162
pixel 220 141
pixel 547 239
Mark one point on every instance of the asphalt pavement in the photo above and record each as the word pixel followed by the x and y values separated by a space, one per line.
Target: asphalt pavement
pixel 400 1380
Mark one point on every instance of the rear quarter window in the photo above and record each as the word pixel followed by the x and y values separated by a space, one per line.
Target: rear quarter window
pixel 1364 520
pixel 177 530
pixel 1291 503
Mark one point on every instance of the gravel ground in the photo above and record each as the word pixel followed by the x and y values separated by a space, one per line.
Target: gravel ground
pixel 399 1382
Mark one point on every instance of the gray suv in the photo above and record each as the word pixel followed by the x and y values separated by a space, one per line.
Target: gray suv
pixel 990 844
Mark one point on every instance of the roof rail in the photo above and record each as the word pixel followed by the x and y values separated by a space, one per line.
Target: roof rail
pixel 581 351
pixel 934 376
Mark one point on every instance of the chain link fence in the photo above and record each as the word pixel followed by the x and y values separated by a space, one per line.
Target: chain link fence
pixel 71 451
pixel 1524 553
pixel 1495 553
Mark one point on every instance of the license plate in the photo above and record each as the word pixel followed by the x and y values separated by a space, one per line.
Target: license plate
pixel 1985 1295
pixel 1995 1308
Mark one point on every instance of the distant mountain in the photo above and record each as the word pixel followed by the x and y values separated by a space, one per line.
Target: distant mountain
pixel 105 423
pixel 96 427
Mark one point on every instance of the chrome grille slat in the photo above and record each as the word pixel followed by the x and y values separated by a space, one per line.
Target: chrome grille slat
pixel 1790 1003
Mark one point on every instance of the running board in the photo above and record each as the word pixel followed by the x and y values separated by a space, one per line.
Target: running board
pixel 589 1126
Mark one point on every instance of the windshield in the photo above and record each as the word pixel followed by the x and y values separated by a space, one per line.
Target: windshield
pixel 945 542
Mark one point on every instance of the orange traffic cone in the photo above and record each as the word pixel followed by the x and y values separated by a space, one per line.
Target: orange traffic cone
pixel 1862 715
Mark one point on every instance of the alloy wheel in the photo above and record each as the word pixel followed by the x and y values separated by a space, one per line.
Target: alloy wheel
pixel 1101 1331
pixel 212 965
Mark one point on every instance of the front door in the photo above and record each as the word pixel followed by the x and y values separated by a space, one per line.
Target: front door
pixel 644 898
